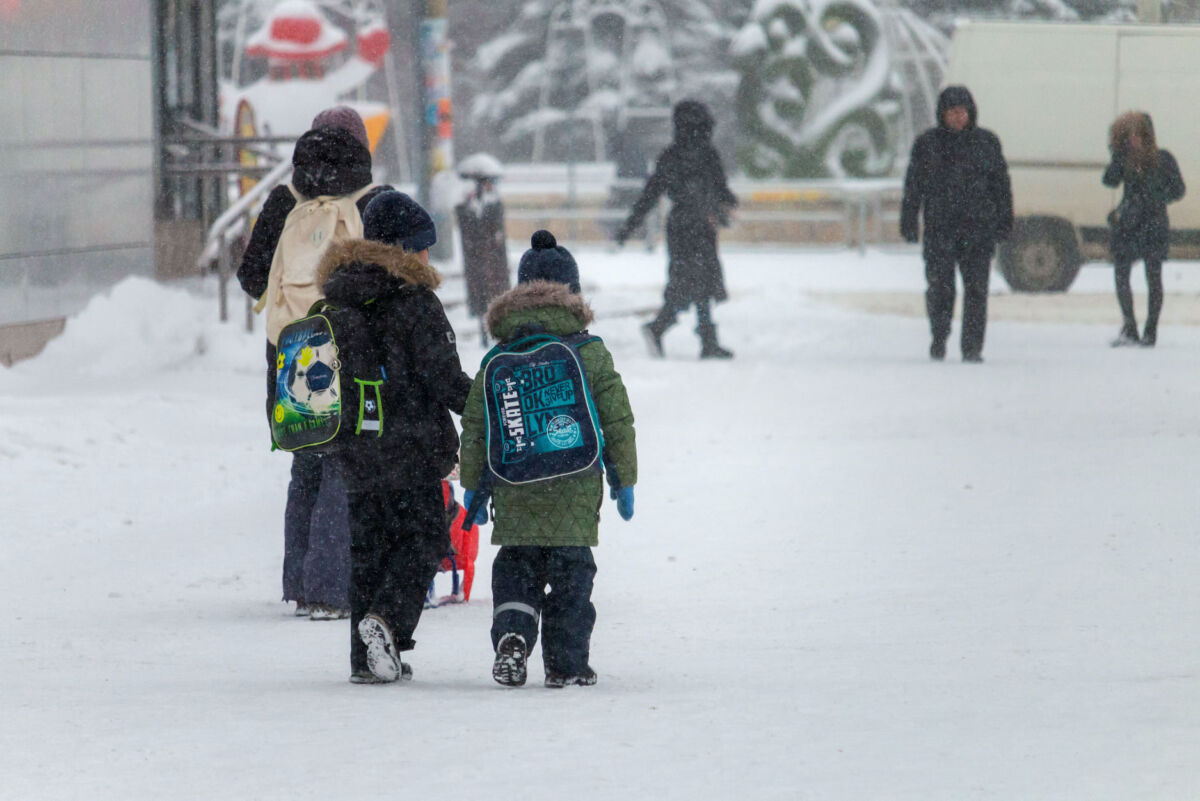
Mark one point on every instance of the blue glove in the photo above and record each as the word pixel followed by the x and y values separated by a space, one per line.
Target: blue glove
pixel 624 498
pixel 481 515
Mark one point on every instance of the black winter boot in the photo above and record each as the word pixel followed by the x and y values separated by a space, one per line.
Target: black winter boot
pixel 1149 336
pixel 510 667
pixel 709 347
pixel 654 330
pixel 1127 337
pixel 653 340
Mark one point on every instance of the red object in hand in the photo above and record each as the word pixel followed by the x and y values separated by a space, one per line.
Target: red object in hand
pixel 464 543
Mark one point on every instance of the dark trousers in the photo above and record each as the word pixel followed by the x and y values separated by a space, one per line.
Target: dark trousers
pixel 297 521
pixel 1154 284
pixel 670 311
pixel 974 262
pixel 398 537
pixel 520 576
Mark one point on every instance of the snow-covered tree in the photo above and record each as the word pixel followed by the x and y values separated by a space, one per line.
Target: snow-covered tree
pixel 567 74
pixel 832 87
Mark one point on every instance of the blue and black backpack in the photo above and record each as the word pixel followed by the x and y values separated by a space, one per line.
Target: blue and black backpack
pixel 539 416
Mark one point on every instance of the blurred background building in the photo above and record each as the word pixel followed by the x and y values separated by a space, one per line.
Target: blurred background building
pixel 134 133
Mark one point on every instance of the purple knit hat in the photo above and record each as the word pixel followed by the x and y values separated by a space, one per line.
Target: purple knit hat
pixel 345 118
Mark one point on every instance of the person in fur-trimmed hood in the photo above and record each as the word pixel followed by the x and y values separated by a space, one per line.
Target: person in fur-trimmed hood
pixel 398 534
pixel 546 529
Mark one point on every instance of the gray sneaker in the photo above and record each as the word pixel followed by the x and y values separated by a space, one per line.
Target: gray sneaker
pixel 327 612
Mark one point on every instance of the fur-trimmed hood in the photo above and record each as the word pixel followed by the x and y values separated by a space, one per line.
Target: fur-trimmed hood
pixel 359 270
pixel 396 261
pixel 549 303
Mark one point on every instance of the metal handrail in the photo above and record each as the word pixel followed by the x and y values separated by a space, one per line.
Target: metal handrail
pixel 232 221
pixel 218 231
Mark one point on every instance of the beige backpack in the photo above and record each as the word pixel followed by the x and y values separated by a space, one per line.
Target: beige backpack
pixel 310 228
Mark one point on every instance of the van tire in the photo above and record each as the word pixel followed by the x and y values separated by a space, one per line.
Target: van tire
pixel 1041 255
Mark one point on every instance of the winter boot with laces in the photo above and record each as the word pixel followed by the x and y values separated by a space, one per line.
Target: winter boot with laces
pixel 559 680
pixel 510 667
pixel 382 658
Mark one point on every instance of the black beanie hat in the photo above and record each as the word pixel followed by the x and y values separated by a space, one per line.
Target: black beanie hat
pixel 394 218
pixel 546 261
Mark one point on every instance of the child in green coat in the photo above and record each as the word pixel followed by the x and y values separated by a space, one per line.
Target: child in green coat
pixel 546 529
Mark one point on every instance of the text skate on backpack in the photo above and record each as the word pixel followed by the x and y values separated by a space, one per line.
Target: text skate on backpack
pixel 539 417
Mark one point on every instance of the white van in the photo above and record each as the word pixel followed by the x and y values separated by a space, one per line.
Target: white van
pixel 1050 91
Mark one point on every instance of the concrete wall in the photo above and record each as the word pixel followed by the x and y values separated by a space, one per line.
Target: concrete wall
pixel 76 152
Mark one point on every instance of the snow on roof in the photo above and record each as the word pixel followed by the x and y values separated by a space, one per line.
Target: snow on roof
pixel 480 164
pixel 296 30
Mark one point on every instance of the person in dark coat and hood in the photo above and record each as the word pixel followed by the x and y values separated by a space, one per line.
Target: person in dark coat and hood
pixel 1138 227
pixel 689 173
pixel 332 158
pixel 398 533
pixel 958 176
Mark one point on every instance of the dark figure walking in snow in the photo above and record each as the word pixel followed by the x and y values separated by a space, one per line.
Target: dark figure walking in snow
pixel 958 175
pixel 331 160
pixel 481 222
pixel 1138 226
pixel 689 173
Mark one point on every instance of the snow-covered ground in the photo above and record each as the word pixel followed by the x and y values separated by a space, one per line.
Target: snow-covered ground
pixel 853 574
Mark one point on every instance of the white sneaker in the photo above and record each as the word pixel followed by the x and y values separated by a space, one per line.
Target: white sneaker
pixel 382 659
pixel 327 612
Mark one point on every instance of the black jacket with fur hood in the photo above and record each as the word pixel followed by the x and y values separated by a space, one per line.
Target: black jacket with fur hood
pixel 395 291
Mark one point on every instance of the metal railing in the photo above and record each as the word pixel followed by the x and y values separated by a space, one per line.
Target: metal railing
pixel 228 227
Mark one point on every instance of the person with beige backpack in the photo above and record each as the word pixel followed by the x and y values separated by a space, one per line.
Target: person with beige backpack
pixel 330 188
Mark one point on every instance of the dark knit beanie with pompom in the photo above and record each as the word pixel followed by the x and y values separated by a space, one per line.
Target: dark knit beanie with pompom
pixel 548 261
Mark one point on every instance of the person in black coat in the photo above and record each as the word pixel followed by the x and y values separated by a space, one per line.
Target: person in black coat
pixel 484 243
pixel 1138 227
pixel 689 172
pixel 957 175
pixel 333 158
pixel 398 532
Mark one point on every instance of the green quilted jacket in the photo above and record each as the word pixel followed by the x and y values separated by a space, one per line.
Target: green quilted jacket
pixel 561 511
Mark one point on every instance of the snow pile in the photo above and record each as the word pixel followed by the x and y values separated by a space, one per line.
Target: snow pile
pixel 140 327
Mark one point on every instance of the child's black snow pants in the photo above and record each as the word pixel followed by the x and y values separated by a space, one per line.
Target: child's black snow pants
pixel 520 576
